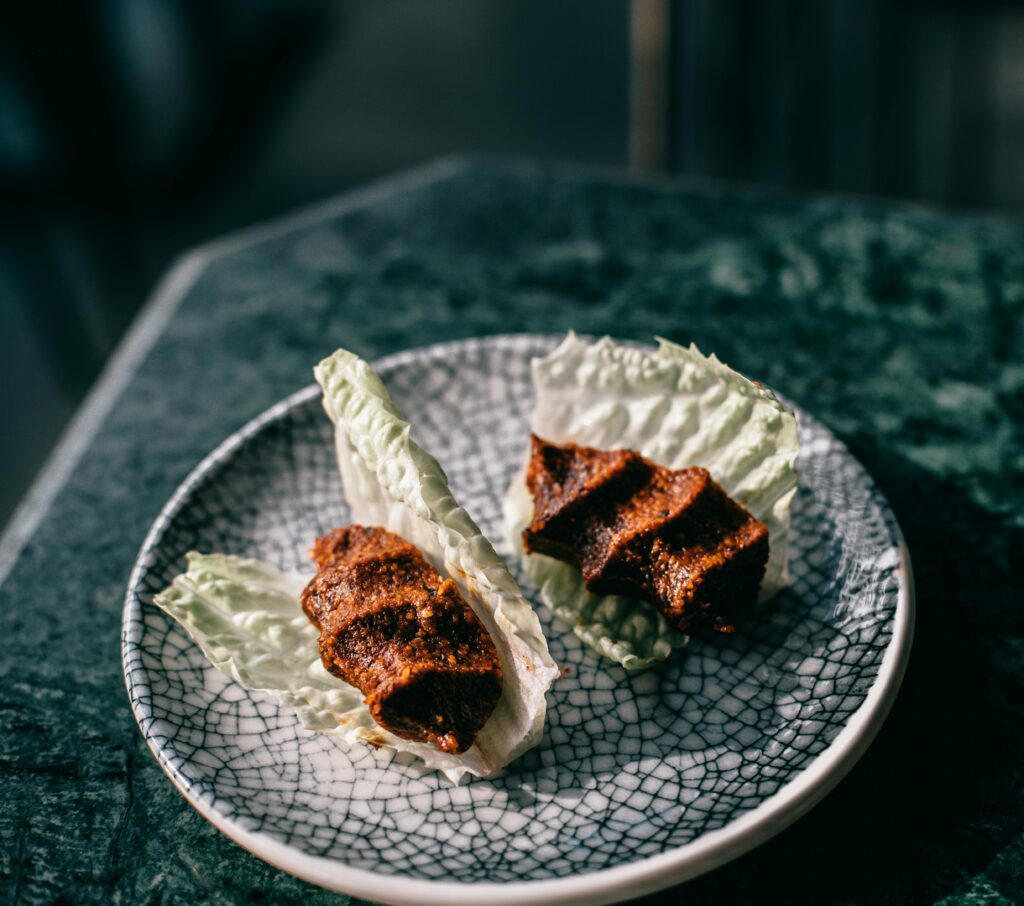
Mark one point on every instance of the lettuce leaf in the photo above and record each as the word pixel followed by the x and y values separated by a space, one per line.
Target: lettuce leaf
pixel 679 408
pixel 246 617
pixel 248 620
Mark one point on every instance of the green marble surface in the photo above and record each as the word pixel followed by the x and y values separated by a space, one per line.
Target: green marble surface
pixel 900 327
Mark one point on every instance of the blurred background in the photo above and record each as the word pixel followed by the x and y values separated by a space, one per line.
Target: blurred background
pixel 132 130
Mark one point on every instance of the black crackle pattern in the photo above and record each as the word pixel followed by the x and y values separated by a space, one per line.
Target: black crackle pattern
pixel 629 767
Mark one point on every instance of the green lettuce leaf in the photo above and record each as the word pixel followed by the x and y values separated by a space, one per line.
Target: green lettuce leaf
pixel 679 408
pixel 248 620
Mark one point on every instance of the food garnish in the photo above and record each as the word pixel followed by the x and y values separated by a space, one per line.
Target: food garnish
pixel 671 537
pixel 403 636
pixel 247 616
pixel 678 409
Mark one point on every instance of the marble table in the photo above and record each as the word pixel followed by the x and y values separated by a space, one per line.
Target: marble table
pixel 902 328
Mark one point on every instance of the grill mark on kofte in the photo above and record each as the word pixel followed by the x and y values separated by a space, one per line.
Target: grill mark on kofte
pixel 672 537
pixel 393 628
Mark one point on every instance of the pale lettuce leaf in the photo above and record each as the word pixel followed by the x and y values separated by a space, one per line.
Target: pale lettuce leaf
pixel 678 408
pixel 391 481
pixel 248 620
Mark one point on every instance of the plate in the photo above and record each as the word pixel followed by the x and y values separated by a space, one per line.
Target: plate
pixel 641 781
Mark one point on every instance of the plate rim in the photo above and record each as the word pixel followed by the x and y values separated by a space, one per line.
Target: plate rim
pixel 607 885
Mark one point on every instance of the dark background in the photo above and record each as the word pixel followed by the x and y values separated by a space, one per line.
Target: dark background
pixel 131 130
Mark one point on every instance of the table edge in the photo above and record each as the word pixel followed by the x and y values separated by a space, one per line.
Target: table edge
pixel 149 324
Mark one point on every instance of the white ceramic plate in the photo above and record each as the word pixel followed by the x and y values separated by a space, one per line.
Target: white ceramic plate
pixel 641 781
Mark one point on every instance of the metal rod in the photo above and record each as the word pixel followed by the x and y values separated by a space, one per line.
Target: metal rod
pixel 650 86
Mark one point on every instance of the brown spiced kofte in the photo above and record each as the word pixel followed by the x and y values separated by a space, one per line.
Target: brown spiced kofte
pixel 393 628
pixel 672 537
